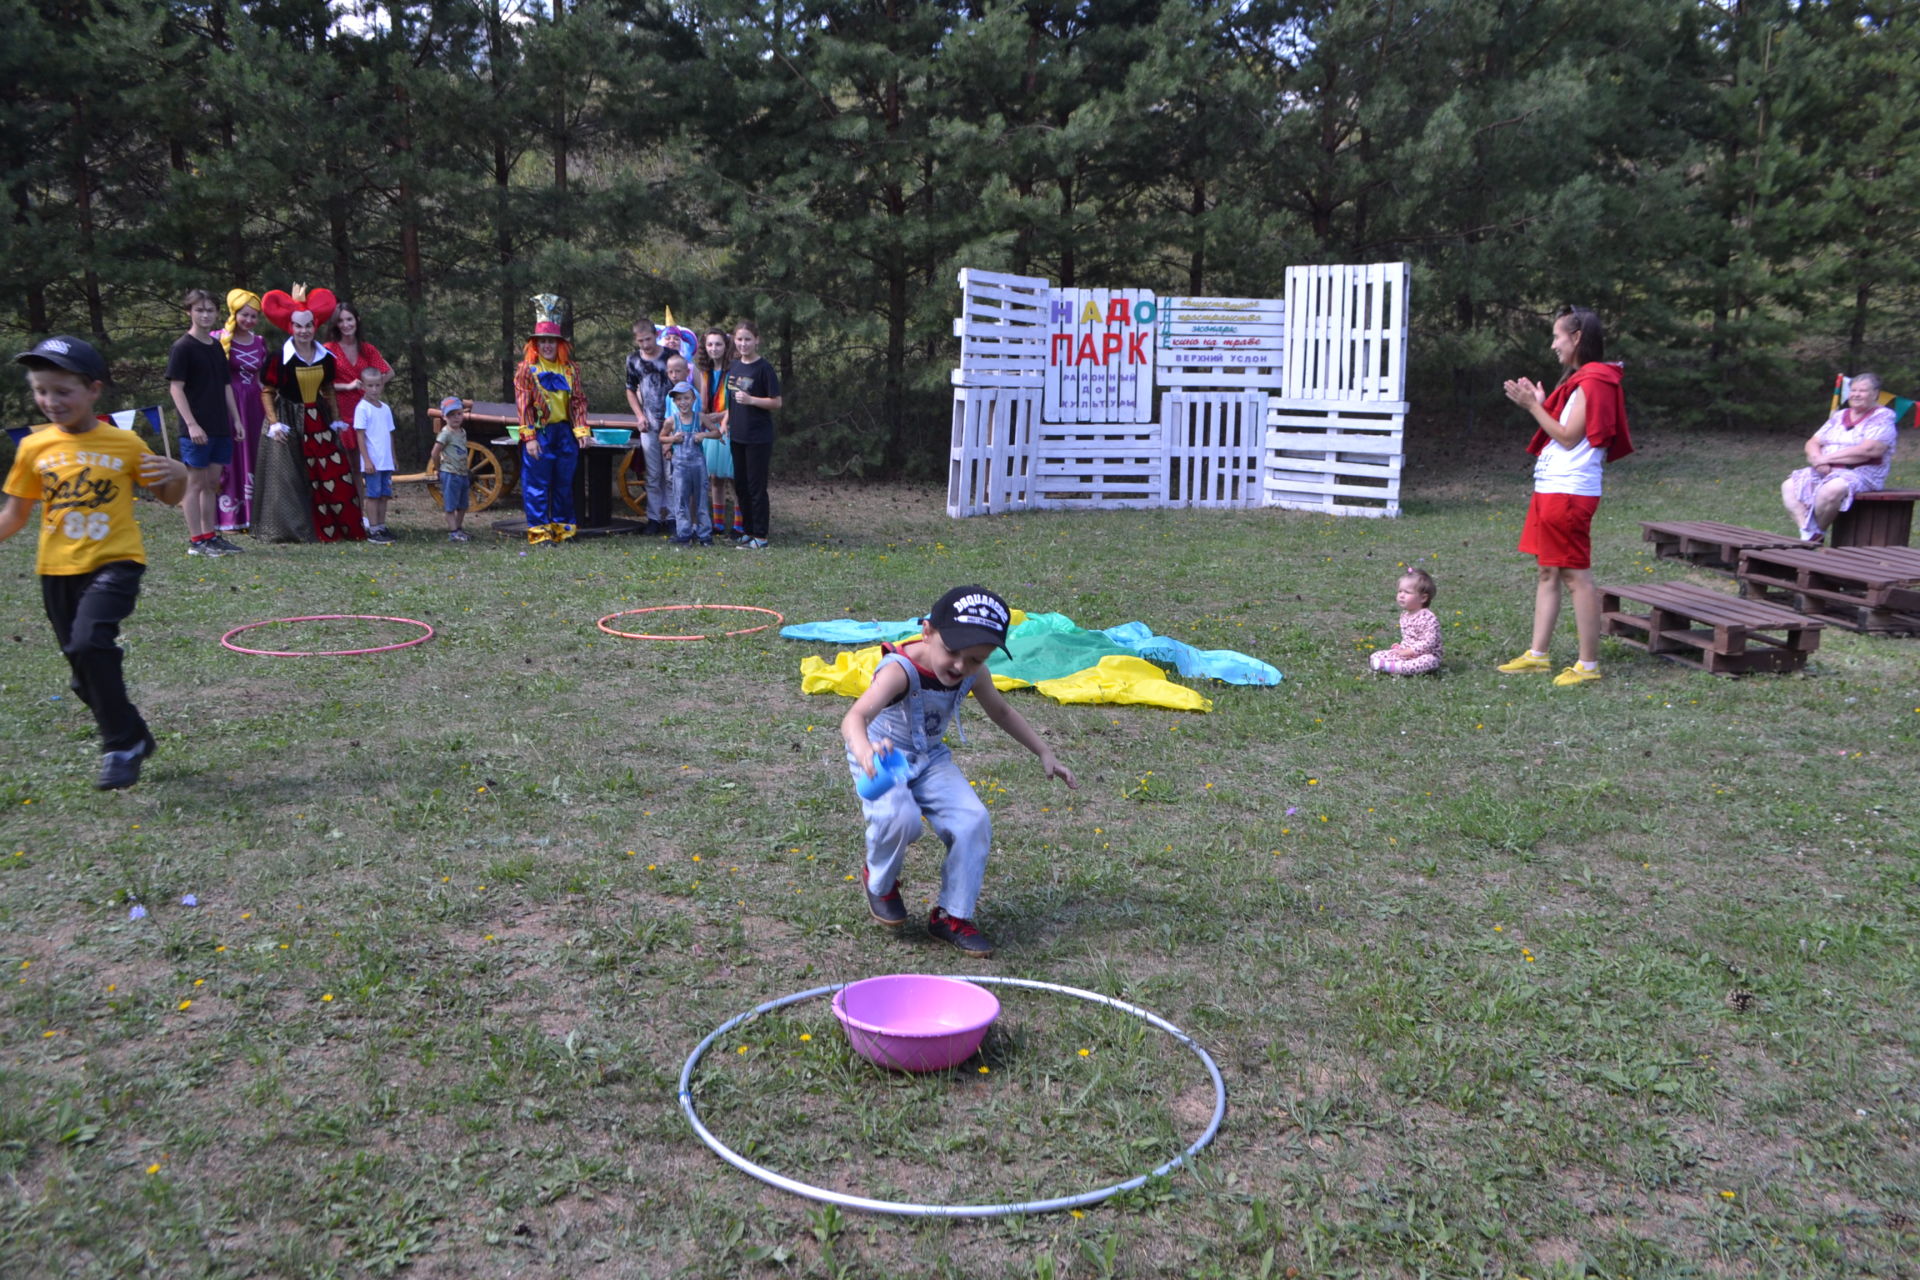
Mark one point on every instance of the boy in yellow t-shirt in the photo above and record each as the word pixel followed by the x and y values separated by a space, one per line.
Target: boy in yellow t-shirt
pixel 91 556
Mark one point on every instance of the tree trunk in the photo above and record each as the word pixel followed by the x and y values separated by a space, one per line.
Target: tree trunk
pixel 502 204
pixel 83 207
pixel 1857 337
pixel 1197 262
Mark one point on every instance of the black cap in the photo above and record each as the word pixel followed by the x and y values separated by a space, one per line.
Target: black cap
pixel 967 616
pixel 75 355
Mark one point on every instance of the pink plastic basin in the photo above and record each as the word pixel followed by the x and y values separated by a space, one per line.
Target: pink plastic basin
pixel 915 1021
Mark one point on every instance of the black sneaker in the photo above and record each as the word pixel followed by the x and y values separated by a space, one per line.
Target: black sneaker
pixel 226 546
pixel 121 769
pixel 380 537
pixel 945 928
pixel 206 547
pixel 886 907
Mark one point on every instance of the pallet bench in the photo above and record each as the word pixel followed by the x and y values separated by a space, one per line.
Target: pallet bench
pixel 1708 543
pixel 1883 518
pixel 1873 589
pixel 1699 627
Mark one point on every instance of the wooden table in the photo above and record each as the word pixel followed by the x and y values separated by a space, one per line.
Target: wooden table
pixel 1708 543
pixel 1720 634
pixel 1864 588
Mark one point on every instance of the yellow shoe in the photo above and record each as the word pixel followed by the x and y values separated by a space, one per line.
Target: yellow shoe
pixel 1577 674
pixel 537 534
pixel 562 532
pixel 1524 663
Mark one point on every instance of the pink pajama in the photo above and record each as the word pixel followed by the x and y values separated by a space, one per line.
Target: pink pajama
pixel 1418 651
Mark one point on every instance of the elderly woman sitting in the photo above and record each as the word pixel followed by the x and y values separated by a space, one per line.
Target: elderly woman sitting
pixel 1850 453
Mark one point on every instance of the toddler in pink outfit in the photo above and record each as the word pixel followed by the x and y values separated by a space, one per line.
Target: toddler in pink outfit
pixel 1419 649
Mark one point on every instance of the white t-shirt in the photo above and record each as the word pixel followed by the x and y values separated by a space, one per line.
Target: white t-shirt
pixel 1578 470
pixel 373 423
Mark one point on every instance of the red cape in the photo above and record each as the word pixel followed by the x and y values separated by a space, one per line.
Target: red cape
pixel 1606 409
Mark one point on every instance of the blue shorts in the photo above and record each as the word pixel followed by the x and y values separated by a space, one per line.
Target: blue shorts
pixel 216 452
pixel 453 491
pixel 379 484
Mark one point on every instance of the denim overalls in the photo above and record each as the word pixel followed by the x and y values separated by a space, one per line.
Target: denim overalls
pixel 935 788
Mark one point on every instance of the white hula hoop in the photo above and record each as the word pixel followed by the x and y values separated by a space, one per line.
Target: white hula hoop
pixel 906 1208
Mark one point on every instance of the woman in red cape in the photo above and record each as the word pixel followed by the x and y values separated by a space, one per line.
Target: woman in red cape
pixel 1580 426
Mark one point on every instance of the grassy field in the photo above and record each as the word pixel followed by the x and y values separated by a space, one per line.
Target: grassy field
pixel 1505 980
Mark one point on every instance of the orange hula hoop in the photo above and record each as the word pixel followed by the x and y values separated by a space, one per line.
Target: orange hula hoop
pixel 674 608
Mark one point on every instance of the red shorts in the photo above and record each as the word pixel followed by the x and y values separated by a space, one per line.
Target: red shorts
pixel 1559 530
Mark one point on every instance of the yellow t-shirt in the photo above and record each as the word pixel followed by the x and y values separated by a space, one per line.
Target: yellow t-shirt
pixel 84 485
pixel 548 374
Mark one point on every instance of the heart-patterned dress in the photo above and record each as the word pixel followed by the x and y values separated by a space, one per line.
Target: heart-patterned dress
pixel 301 383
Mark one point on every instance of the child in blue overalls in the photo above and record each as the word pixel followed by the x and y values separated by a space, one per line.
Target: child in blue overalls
pixel 914 695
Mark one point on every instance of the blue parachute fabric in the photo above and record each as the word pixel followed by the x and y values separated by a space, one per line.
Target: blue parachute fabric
pixel 1225 665
pixel 847 631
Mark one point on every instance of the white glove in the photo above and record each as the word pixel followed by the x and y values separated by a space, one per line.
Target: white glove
pixel 277 430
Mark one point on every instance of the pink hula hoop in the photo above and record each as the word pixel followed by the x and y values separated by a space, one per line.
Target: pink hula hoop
pixel 227 639
pixel 672 608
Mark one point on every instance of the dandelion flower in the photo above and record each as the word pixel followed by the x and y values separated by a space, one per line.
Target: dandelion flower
pixel 327 998
pixel 184 1005
pixel 1086 1053
pixel 804 1037
pixel 154 1167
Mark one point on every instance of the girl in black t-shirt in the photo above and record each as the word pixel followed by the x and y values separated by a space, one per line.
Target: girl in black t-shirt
pixel 753 392
pixel 201 386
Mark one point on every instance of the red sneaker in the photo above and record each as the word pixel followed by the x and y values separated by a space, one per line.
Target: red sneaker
pixel 952 929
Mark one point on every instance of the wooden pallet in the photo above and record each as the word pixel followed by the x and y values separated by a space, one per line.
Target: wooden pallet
pixel 1715 632
pixel 1864 588
pixel 1883 518
pixel 1708 543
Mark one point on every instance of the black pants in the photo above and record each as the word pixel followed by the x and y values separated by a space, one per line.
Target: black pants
pixel 86 610
pixel 751 463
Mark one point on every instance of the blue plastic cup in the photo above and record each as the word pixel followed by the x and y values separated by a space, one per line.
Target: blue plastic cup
pixel 889 771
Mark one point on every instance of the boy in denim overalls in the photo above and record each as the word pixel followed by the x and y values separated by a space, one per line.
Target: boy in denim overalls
pixel 914 695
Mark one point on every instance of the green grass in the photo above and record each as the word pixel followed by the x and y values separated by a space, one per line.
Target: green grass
pixel 1535 982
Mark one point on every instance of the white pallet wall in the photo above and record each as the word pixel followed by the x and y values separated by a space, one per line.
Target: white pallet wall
pixel 1098 464
pixel 1331 440
pixel 1002 330
pixel 1346 335
pixel 1215 441
pixel 1341 457
pixel 990 460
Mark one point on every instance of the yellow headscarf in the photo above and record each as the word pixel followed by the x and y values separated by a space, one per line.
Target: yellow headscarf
pixel 236 299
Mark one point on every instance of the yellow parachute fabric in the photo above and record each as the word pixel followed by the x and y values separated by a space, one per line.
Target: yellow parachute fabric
pixel 1125 679
pixel 1114 679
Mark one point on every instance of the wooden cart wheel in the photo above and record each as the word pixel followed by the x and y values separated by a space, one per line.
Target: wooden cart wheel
pixel 487 477
pixel 483 478
pixel 633 482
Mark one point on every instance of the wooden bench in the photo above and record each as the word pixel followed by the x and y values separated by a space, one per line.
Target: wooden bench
pixel 1865 588
pixel 1708 543
pixel 1700 627
pixel 1882 519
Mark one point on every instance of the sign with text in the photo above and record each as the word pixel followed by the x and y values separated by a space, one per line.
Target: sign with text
pixel 1223 332
pixel 1099 356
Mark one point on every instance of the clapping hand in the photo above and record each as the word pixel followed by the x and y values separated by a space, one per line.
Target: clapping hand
pixel 1524 392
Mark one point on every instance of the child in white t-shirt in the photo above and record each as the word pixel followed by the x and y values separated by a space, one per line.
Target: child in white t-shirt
pixel 373 425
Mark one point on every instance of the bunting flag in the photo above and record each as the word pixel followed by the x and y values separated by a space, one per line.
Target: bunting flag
pixel 126 419
pixel 1050 653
